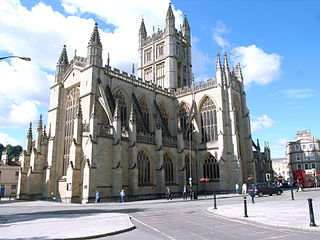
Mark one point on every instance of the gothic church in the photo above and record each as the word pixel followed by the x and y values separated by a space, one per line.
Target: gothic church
pixel 109 130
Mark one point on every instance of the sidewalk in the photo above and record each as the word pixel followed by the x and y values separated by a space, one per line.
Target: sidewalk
pixel 62 225
pixel 281 212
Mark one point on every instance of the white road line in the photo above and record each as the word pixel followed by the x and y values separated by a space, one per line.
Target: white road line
pixel 154 229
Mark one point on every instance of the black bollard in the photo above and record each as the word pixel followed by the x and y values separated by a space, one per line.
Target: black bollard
pixel 245 207
pixel 214 201
pixel 312 223
pixel 292 197
pixel 252 198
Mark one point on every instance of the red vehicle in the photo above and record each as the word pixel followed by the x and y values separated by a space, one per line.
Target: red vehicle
pixel 307 178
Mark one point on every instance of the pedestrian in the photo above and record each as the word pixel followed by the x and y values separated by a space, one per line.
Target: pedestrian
pixel 97 197
pixel 184 192
pixel 237 188
pixel 122 195
pixel 169 194
pixel 244 188
pixel 53 197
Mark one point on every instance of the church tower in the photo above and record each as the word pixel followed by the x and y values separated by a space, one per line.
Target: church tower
pixel 94 49
pixel 165 57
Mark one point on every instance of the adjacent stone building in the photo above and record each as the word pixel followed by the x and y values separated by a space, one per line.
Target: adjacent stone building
pixel 303 152
pixel 110 130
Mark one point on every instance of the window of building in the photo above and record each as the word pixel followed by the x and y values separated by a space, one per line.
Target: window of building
pixel 298 156
pixel 313 165
pixel 17 175
pixel 183 116
pixel 0 175
pixel 299 167
pixel 312 156
pixel 303 146
pixel 147 55
pixel 160 74
pixel 148 74
pixel 71 110
pixel 209 121
pixel 160 49
pixel 122 107
pixel 311 146
pixel 145 114
pixel 305 156
pixel 143 168
pixel 13 188
pixel 306 166
pixel 211 168
pixel 297 147
pixel 168 168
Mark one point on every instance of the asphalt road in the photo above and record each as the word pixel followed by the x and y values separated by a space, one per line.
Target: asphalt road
pixel 161 219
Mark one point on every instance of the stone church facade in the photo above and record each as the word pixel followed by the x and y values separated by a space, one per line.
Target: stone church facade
pixel 109 130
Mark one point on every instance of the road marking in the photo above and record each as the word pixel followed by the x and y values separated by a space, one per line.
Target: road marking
pixel 154 229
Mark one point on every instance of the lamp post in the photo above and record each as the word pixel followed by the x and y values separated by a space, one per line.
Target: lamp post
pixel 190 165
pixel 23 58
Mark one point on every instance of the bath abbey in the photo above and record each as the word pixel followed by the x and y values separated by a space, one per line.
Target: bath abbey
pixel 141 131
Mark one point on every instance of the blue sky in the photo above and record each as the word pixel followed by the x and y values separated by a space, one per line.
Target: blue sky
pixel 275 41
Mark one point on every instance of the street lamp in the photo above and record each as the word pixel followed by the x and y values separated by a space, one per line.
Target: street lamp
pixel 190 164
pixel 23 58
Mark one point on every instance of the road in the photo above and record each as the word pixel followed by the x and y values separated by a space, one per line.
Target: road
pixel 176 219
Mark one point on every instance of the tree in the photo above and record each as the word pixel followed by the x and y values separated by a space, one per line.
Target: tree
pixel 13 151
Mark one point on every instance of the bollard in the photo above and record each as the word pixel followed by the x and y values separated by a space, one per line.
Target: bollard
pixel 245 207
pixel 214 201
pixel 252 198
pixel 292 197
pixel 312 223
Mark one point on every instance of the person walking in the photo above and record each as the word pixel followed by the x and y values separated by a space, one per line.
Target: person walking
pixel 244 188
pixel 169 194
pixel 122 195
pixel 237 188
pixel 97 197
pixel 184 192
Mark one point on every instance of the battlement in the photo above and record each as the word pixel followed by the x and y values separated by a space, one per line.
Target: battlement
pixel 132 79
pixel 210 83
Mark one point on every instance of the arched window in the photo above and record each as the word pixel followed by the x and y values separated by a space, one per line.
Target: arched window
pixel 208 121
pixel 168 168
pixel 123 107
pixel 143 168
pixel 71 109
pixel 183 115
pixel 211 168
pixel 145 114
pixel 164 116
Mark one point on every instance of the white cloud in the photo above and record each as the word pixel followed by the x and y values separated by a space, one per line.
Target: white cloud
pixel 300 93
pixel 218 33
pixel 262 122
pixel 5 139
pixel 41 32
pixel 258 66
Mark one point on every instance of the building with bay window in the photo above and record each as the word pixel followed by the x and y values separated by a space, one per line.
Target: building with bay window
pixel 109 130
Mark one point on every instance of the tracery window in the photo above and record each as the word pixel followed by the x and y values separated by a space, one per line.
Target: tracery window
pixel 160 74
pixel 71 109
pixel 148 74
pixel 168 168
pixel 143 168
pixel 145 114
pixel 211 168
pixel 183 116
pixel 160 49
pixel 164 116
pixel 147 55
pixel 209 121
pixel 122 106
